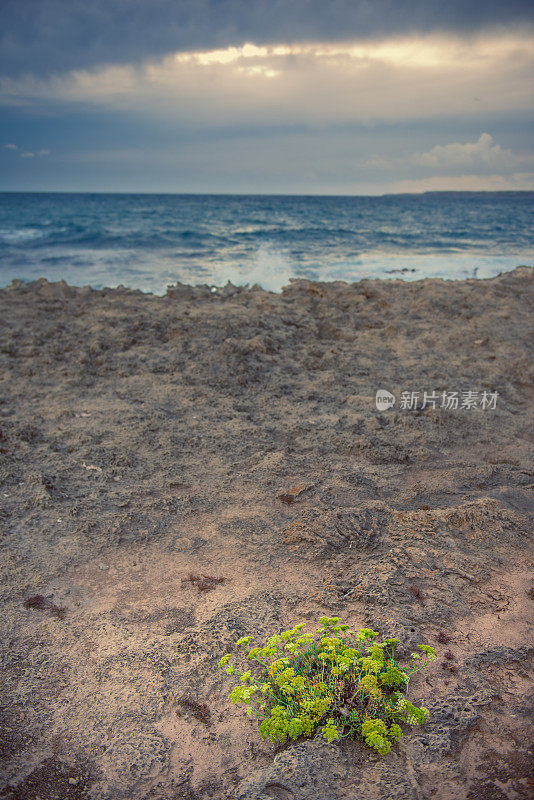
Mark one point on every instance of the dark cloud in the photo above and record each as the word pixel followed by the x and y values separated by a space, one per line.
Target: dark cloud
pixel 46 36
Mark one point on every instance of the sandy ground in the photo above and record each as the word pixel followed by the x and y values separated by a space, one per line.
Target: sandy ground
pixel 144 442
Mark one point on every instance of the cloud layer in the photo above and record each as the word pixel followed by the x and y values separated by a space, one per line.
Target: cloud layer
pixel 317 84
pixel 53 36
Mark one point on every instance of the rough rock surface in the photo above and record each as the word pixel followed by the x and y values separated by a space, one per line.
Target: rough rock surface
pixel 145 442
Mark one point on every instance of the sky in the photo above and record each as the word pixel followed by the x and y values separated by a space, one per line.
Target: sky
pixel 266 96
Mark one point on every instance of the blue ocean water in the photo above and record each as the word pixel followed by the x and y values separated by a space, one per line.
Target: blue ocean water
pixel 150 241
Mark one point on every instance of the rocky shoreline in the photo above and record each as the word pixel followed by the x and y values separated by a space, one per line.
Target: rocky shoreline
pixel 150 448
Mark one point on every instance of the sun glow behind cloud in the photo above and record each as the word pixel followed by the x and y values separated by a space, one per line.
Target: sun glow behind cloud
pixel 432 51
pixel 315 83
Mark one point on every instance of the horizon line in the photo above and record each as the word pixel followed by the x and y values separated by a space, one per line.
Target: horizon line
pixel 266 194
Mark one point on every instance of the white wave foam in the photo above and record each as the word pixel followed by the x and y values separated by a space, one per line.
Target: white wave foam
pixel 20 235
pixel 271 269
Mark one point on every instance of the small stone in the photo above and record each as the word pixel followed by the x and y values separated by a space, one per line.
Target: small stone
pixel 183 543
pixel 103 566
pixel 293 492
pixel 73 781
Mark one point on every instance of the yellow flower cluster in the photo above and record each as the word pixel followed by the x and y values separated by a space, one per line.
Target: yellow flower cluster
pixel 341 679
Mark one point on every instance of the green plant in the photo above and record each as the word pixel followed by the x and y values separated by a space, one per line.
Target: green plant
pixel 339 679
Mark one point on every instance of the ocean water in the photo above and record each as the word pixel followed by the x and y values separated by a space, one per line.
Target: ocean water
pixel 150 241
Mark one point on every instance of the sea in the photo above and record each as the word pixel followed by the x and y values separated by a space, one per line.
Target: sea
pixel 151 241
